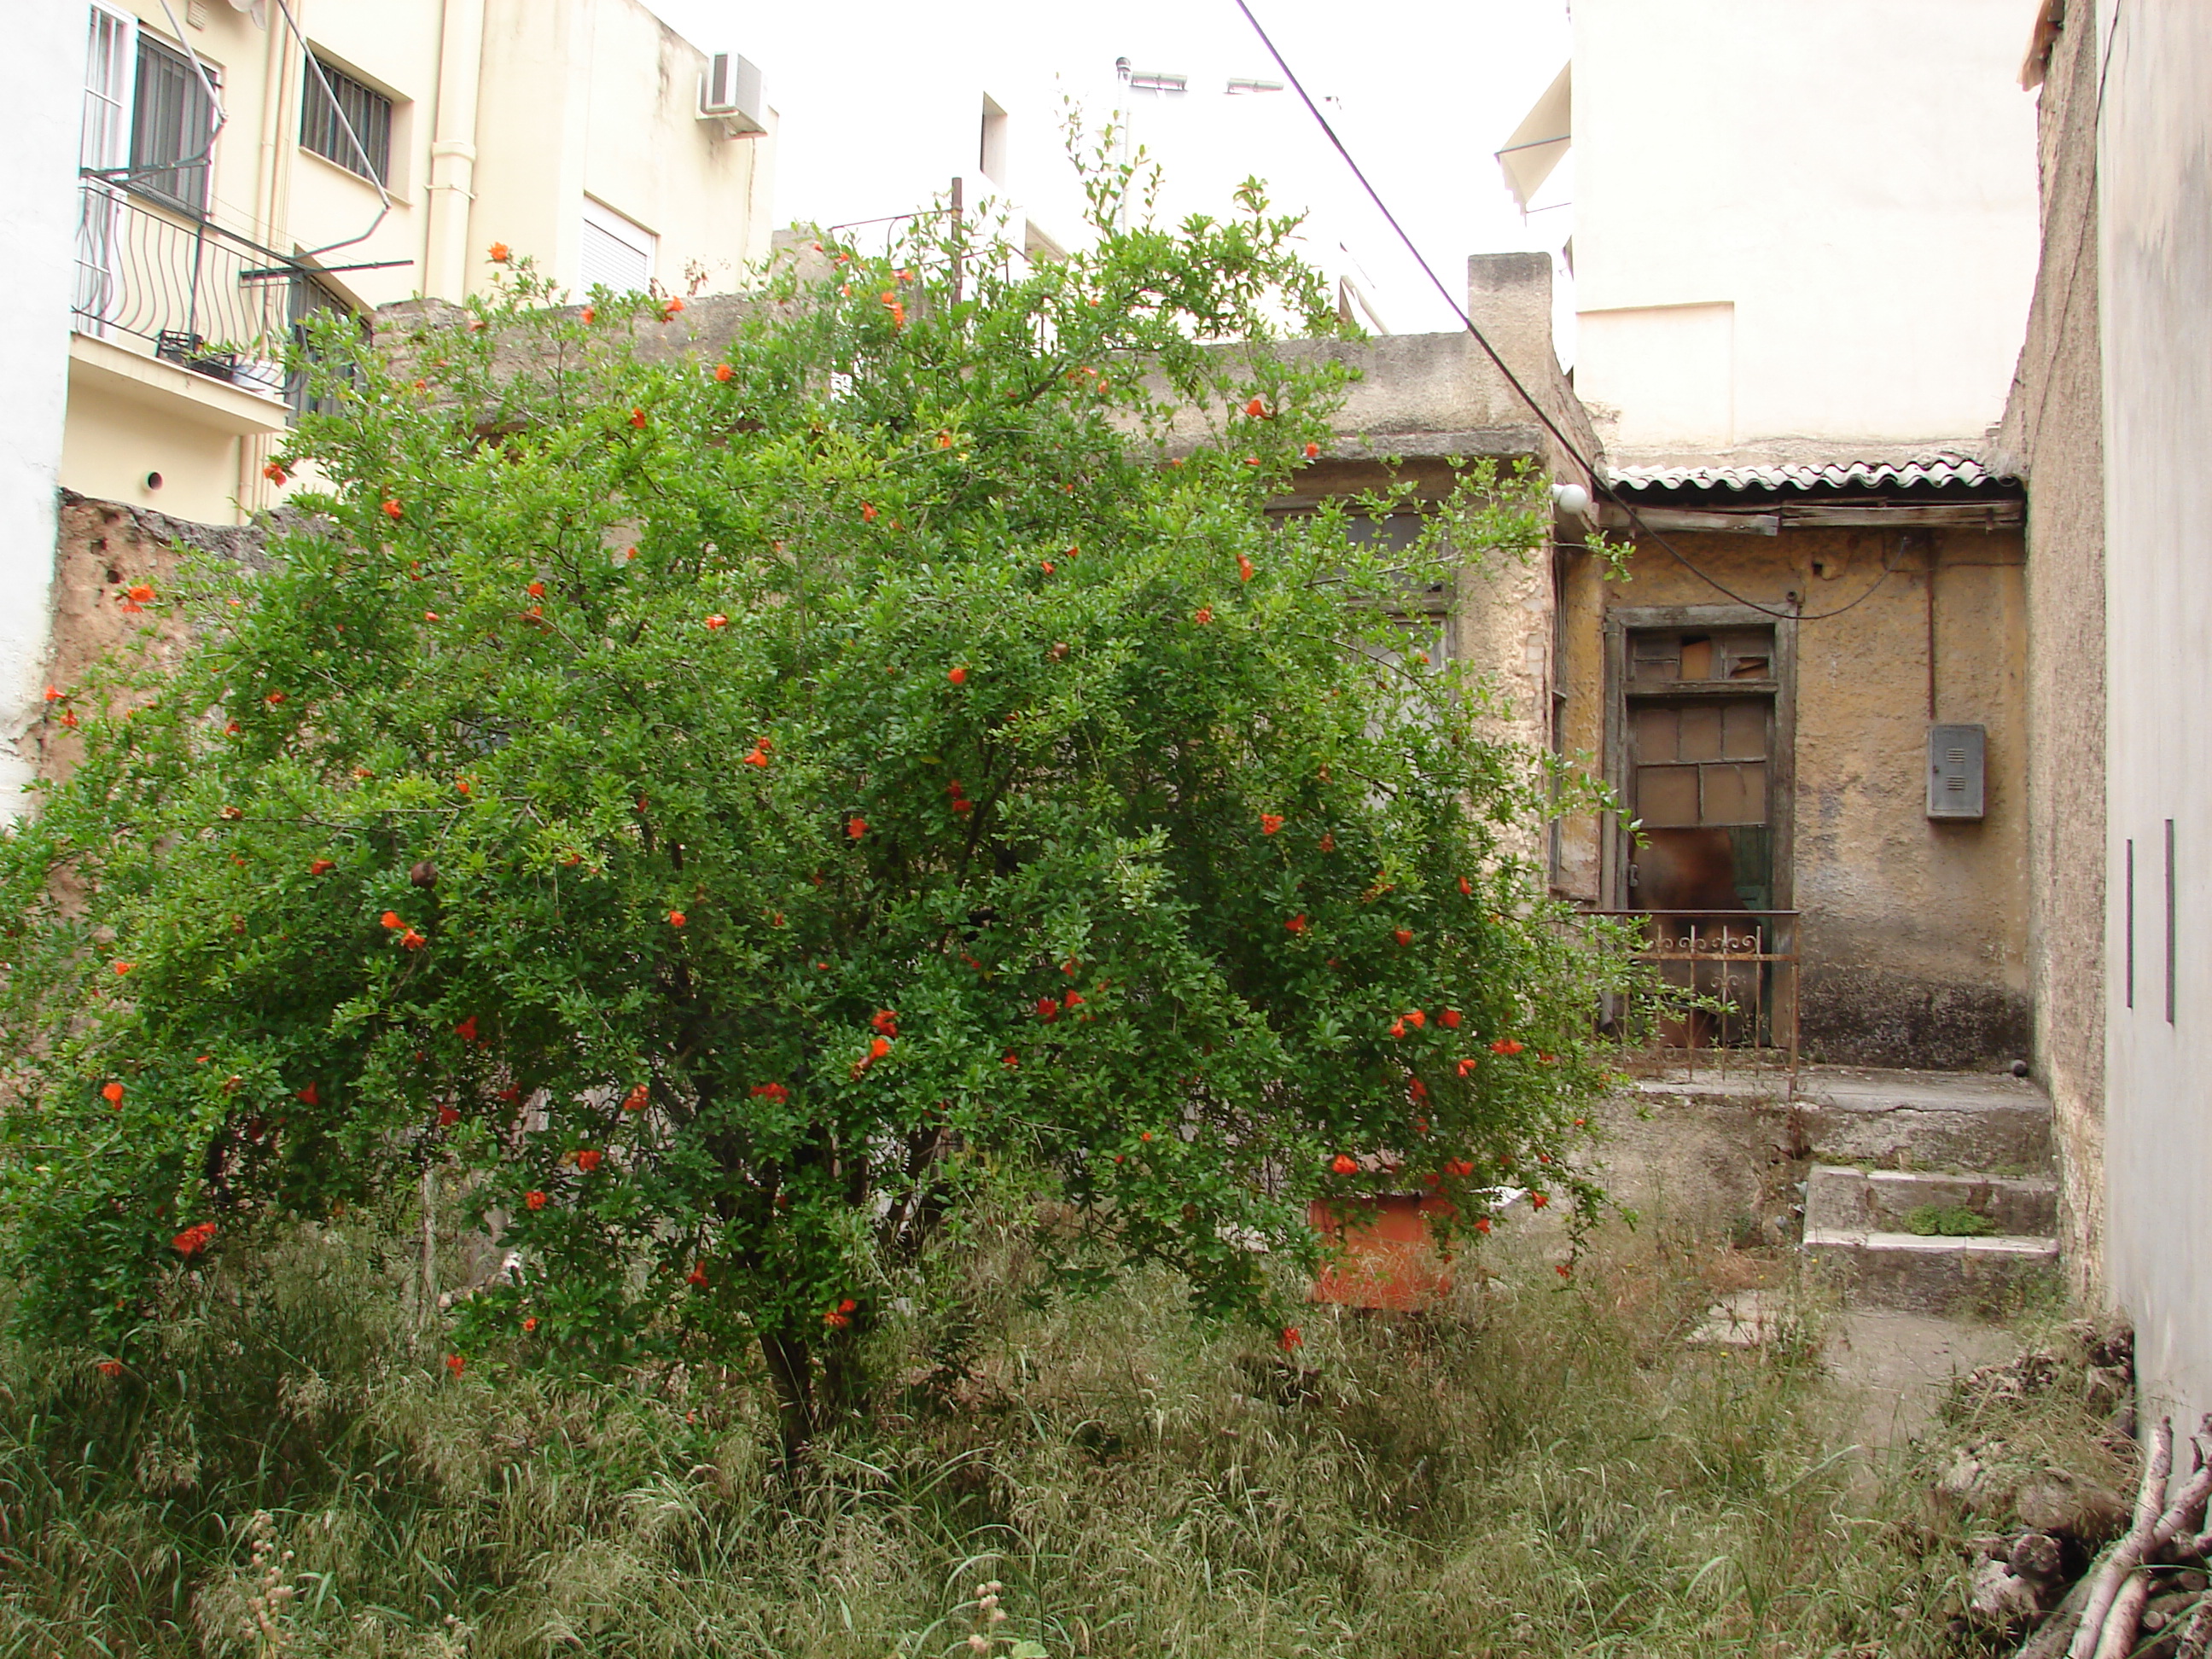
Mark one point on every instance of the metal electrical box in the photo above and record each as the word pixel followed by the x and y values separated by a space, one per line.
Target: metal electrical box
pixel 1957 758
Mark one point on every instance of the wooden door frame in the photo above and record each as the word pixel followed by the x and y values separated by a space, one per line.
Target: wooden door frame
pixel 1781 762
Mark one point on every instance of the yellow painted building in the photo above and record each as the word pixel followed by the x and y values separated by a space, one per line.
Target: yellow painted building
pixel 245 163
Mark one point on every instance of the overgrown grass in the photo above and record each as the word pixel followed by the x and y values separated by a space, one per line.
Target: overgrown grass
pixel 1538 1469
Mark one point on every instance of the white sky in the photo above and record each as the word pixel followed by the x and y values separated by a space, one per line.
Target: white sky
pixel 879 105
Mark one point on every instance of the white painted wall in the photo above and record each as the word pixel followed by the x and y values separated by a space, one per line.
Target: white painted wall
pixel 1857 179
pixel 2155 227
pixel 41 81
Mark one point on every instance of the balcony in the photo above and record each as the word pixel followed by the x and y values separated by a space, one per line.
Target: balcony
pixel 177 286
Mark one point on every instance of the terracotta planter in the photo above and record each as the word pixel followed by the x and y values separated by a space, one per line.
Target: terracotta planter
pixel 1389 1262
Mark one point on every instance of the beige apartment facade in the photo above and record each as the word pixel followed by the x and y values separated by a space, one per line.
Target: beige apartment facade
pixel 243 163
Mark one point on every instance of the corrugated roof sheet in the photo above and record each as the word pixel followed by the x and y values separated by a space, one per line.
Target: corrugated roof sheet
pixel 1935 470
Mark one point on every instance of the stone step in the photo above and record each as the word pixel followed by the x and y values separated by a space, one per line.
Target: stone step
pixel 1933 1275
pixel 1924 1120
pixel 1849 1199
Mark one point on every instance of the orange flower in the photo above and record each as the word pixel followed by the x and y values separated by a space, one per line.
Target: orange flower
pixel 867 512
pixel 1243 568
pixel 697 1275
pixel 448 1116
pixel 755 759
pixel 1048 1009
pixel 1328 842
pixel 391 508
pixel 109 1368
pixel 669 311
pixel 1291 1337
pixel 1397 1027
pixel 536 590
pixel 275 473
pixel 500 253
pixel 112 1094
pixel 1298 923
pixel 878 1047
pixel 1505 1046
pixel 533 1200
pixel 411 940
pixel 637 419
pixel 311 1096
pixel 718 620
pixel 276 698
pixel 591 314
pixel 455 1364
pixel 53 694
pixel 1465 1066
pixel 1270 821
pixel 1344 1164
pixel 232 730
pixel 589 1159
pixel 1459 1167
pixel 1540 1199
pixel 1416 1018
pixel 774 1093
pixel 1450 1017
pixel 1205 614
pixel 1312 450
pixel 1403 935
pixel 1256 408
pixel 856 827
pixel 122 968
pixel 885 1021
pixel 1466 887
pixel 675 918
pixel 1416 1090
pixel 723 370
pixel 636 1099
pixel 1482 1224
pixel 957 676
pixel 530 1324
pixel 69 717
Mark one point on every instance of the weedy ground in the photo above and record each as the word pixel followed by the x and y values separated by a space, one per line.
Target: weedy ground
pixel 1535 1468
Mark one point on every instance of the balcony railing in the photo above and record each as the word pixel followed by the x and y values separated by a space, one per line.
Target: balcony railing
pixel 194 294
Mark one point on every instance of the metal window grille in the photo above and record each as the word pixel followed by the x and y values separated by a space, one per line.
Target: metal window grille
pixel 172 128
pixel 324 116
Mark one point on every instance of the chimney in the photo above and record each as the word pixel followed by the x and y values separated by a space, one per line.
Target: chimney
pixel 1509 295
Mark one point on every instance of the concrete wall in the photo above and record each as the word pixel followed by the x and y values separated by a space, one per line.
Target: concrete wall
pixel 1914 932
pixel 41 78
pixel 2154 236
pixel 1798 228
pixel 2053 436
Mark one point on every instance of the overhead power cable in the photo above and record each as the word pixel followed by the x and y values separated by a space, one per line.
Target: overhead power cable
pixel 1597 478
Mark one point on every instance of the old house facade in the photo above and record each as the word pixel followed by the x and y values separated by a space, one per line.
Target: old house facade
pixel 1793 327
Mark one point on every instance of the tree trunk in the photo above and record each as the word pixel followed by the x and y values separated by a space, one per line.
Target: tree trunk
pixel 791 1374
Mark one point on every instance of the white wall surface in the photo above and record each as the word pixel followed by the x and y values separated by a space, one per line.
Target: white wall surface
pixel 41 81
pixel 2155 226
pixel 1857 179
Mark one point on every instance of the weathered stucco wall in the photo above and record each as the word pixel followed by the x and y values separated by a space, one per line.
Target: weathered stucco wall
pixel 1914 932
pixel 2053 436
pixel 2155 236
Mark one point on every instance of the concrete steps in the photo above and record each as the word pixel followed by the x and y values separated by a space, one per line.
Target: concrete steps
pixel 1899 1157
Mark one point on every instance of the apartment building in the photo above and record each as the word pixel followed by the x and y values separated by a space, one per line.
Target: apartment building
pixel 243 163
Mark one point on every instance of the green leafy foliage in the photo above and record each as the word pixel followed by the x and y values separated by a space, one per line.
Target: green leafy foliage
pixel 739 803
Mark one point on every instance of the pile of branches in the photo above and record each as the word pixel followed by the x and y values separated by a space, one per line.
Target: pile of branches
pixel 2151 1580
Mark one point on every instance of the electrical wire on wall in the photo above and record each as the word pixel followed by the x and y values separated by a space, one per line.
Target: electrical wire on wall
pixel 1637 526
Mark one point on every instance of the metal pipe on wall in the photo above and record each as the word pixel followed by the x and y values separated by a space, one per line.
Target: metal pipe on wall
pixel 454 151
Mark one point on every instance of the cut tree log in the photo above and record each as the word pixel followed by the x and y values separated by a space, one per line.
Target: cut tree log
pixel 2050 1641
pixel 2119 1638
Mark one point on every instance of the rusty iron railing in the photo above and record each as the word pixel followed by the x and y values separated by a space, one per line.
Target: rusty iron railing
pixel 1728 985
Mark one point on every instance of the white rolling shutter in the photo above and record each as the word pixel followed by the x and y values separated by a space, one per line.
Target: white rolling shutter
pixel 617 251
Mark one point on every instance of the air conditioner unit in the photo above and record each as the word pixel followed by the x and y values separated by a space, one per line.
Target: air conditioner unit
pixel 730 92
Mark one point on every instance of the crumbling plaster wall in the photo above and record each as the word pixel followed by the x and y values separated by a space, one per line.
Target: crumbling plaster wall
pixel 1914 932
pixel 103 549
pixel 2053 436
